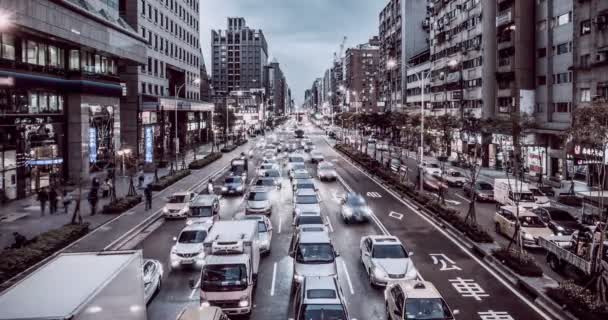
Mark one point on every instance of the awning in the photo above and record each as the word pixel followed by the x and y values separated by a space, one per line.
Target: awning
pixel 169 104
pixel 26 81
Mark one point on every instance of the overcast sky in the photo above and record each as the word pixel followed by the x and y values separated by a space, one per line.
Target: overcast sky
pixel 301 34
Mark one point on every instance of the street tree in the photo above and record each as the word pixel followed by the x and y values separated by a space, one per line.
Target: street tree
pixel 445 125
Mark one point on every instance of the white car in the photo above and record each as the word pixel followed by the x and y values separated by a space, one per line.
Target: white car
pixel 188 249
pixel 316 156
pixel 431 168
pixel 178 205
pixel 532 226
pixel 326 171
pixel 266 167
pixel 454 178
pixel 153 277
pixel 385 259
pixel 414 299
pixel 264 231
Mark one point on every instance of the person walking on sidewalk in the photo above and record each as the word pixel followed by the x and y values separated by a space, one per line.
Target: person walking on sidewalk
pixel 148 195
pixel 93 201
pixel 53 199
pixel 571 191
pixel 43 197
pixel 141 179
pixel 66 199
pixel 105 189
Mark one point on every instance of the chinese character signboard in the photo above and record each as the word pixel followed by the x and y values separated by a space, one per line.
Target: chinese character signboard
pixel 148 145
pixel 92 145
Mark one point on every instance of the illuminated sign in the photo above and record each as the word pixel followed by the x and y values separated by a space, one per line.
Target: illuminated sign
pixel 92 145
pixel 149 134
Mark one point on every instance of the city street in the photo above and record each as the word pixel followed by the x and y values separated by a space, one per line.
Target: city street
pixel 464 281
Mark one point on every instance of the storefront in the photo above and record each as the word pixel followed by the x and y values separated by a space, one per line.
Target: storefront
pixel 586 164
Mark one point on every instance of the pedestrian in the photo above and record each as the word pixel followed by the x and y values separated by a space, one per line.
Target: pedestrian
pixel 210 186
pixel 148 195
pixel 95 184
pixel 140 183
pixel 66 199
pixel 43 197
pixel 571 191
pixel 93 200
pixel 105 189
pixel 53 199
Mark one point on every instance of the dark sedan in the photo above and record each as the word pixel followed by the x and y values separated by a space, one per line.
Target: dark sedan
pixel 561 222
pixel 483 191
pixel 233 185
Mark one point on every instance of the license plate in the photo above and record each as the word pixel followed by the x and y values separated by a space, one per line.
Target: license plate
pixel 187 261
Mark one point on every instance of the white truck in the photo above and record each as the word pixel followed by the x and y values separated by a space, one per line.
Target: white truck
pixel 77 286
pixel 507 191
pixel 230 269
pixel 573 251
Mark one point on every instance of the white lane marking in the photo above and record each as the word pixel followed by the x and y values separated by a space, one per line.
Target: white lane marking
pixel 395 215
pixel 374 195
pixel 373 215
pixel 198 283
pixel 331 228
pixel 463 198
pixel 274 277
pixel 350 284
pixel 445 234
pixel 280 223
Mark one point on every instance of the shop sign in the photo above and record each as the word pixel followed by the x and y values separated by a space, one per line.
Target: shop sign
pixel 584 155
pixel 44 162
pixel 536 158
pixel 92 145
pixel 148 136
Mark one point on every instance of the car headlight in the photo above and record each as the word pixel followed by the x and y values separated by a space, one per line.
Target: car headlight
pixel 189 222
pixel 528 236
pixel 165 210
pixel 379 273
pixel 205 304
pixel 224 189
pixel 244 303
pixel 264 243
pixel 560 228
pixel 298 278
pixel 348 211
pixel 239 188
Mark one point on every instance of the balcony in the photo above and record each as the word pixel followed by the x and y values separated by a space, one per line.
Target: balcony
pixel 504 17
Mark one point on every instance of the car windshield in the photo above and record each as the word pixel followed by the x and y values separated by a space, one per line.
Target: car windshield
pixel 433 165
pixel 427 308
pixel 315 253
pixel 273 173
pixel 298 166
pixel 537 193
pixel 262 227
pixel 192 236
pixel 305 185
pixel 325 166
pixel 307 199
pixel 484 186
pixel 309 220
pixel 355 201
pixel 296 159
pixel 201 211
pixel 266 166
pixel 323 312
pixel 456 174
pixel 233 180
pixel 264 182
pixel 389 251
pixel 177 199
pixel 257 196
pixel 531 222
pixel 561 215
pixel 229 277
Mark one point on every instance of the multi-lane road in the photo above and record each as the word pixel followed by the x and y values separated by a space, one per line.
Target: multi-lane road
pixel 467 284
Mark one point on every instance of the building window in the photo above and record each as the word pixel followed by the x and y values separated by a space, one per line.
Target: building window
pixel 143 87
pixel 541 52
pixel 560 78
pixel 563 107
pixel 143 7
pixel 585 27
pixel 74 60
pixel 586 95
pixel 562 19
pixel 584 62
pixel 8 46
pixel 541 80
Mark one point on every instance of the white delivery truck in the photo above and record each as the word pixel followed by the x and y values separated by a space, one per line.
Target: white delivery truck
pixel 230 269
pixel 507 191
pixel 77 286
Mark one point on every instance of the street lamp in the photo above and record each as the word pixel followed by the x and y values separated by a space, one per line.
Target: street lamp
pixel 123 153
pixel 177 90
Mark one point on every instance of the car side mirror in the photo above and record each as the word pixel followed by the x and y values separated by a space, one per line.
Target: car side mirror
pixel 336 253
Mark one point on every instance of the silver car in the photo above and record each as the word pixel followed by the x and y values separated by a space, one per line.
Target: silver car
pixel 264 231
pixel 316 156
pixel 385 259
pixel 326 171
pixel 306 200
pixel 313 255
pixel 153 277
pixel 258 201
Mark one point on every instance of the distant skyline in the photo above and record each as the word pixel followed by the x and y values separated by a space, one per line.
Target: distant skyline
pixel 302 34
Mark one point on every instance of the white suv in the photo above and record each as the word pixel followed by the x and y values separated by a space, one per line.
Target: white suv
pixel 412 299
pixel 188 249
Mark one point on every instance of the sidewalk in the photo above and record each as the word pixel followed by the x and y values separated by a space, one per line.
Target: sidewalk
pixel 24 215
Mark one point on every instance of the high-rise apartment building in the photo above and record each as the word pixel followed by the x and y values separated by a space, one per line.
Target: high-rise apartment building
pixel 238 57
pixel 168 84
pixel 361 76
pixel 403 34
pixel 275 88
pixel 61 112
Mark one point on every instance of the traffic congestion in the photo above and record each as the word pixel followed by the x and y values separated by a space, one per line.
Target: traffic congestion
pixel 292 230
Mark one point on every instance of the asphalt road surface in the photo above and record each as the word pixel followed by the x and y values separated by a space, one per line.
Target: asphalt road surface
pixel 464 281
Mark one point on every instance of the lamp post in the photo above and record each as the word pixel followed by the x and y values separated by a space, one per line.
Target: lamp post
pixel 177 90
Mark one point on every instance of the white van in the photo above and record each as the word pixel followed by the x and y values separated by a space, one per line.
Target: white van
pixel 507 191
